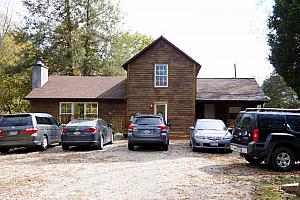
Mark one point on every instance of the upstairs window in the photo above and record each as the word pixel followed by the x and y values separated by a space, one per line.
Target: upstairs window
pixel 161 75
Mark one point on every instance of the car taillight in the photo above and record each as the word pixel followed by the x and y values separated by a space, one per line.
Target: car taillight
pixel 1 133
pixel 163 128
pixel 131 127
pixel 91 130
pixel 65 130
pixel 255 135
pixel 30 131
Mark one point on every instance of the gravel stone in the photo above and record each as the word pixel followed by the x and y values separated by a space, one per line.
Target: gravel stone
pixel 117 173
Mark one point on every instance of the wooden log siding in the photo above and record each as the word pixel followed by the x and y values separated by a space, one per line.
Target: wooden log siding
pixel 180 93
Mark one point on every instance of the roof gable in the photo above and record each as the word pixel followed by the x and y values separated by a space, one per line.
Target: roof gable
pixel 161 38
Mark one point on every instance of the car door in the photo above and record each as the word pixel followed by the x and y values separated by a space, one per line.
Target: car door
pixel 293 127
pixel 56 130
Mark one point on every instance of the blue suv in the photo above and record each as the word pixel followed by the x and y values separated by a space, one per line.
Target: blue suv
pixel 148 130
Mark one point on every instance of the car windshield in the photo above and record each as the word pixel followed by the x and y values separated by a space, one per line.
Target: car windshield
pixel 211 125
pixel 81 122
pixel 16 120
pixel 147 121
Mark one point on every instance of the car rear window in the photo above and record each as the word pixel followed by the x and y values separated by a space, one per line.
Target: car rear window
pixel 246 121
pixel 16 120
pixel 77 122
pixel 147 121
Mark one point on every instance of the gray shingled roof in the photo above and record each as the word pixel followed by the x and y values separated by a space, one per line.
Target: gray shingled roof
pixel 81 87
pixel 90 87
pixel 230 89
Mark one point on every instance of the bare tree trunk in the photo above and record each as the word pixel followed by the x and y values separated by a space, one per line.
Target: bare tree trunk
pixel 5 24
pixel 69 39
pixel 85 70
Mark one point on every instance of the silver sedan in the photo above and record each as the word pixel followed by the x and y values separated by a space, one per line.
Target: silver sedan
pixel 210 133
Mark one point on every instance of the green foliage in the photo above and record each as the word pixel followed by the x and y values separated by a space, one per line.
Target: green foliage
pixel 72 35
pixel 15 76
pixel 122 48
pixel 281 95
pixel 284 40
pixel 271 188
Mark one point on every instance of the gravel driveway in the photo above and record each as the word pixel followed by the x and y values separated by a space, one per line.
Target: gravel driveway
pixel 116 173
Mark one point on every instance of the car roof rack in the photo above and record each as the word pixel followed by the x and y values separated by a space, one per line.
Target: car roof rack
pixel 273 110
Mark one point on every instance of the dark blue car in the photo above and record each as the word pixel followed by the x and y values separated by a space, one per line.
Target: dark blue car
pixel 148 130
pixel 87 132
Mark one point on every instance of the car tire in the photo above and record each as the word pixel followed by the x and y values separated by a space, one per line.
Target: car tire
pixel 253 160
pixel 130 146
pixel 282 159
pixel 165 147
pixel 99 145
pixel 194 149
pixel 65 147
pixel 44 144
pixel 4 150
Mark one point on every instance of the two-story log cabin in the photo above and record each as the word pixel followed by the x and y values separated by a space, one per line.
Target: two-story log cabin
pixel 160 79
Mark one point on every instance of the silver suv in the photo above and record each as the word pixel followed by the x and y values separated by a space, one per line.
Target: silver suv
pixel 30 129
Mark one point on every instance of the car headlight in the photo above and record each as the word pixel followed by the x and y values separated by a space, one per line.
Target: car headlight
pixel 227 136
pixel 198 136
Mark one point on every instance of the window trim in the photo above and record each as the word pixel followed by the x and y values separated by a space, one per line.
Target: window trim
pixel 166 108
pixel 73 108
pixel 161 86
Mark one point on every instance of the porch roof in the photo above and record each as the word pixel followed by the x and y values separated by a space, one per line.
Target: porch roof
pixel 229 89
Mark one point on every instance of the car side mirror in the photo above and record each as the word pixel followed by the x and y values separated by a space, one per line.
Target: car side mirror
pixel 192 128
pixel 109 125
pixel 229 129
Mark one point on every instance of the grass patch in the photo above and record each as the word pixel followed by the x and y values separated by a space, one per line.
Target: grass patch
pixel 271 188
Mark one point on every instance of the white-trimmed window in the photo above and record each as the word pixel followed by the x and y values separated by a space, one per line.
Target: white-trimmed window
pixel 71 110
pixel 65 108
pixel 161 75
pixel 91 110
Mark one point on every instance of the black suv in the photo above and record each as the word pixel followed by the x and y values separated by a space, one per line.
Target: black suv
pixel 269 135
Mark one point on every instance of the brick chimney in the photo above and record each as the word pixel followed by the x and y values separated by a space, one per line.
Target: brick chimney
pixel 39 74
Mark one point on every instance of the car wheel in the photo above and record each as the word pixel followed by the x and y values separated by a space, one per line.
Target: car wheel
pixel 4 150
pixel 165 147
pixel 130 146
pixel 253 160
pixel 44 143
pixel 282 159
pixel 99 146
pixel 65 147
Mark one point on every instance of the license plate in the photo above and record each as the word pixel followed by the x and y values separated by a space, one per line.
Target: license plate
pixel 13 133
pixel 76 133
pixel 147 132
pixel 214 144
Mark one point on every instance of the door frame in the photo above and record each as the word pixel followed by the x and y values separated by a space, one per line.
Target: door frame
pixel 166 108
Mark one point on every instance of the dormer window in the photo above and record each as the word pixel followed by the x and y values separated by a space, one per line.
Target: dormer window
pixel 161 75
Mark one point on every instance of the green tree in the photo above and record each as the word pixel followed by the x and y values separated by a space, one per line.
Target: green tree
pixel 72 35
pixel 281 95
pixel 121 49
pixel 284 40
pixel 15 76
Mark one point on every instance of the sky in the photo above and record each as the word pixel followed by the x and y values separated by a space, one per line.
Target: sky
pixel 215 33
